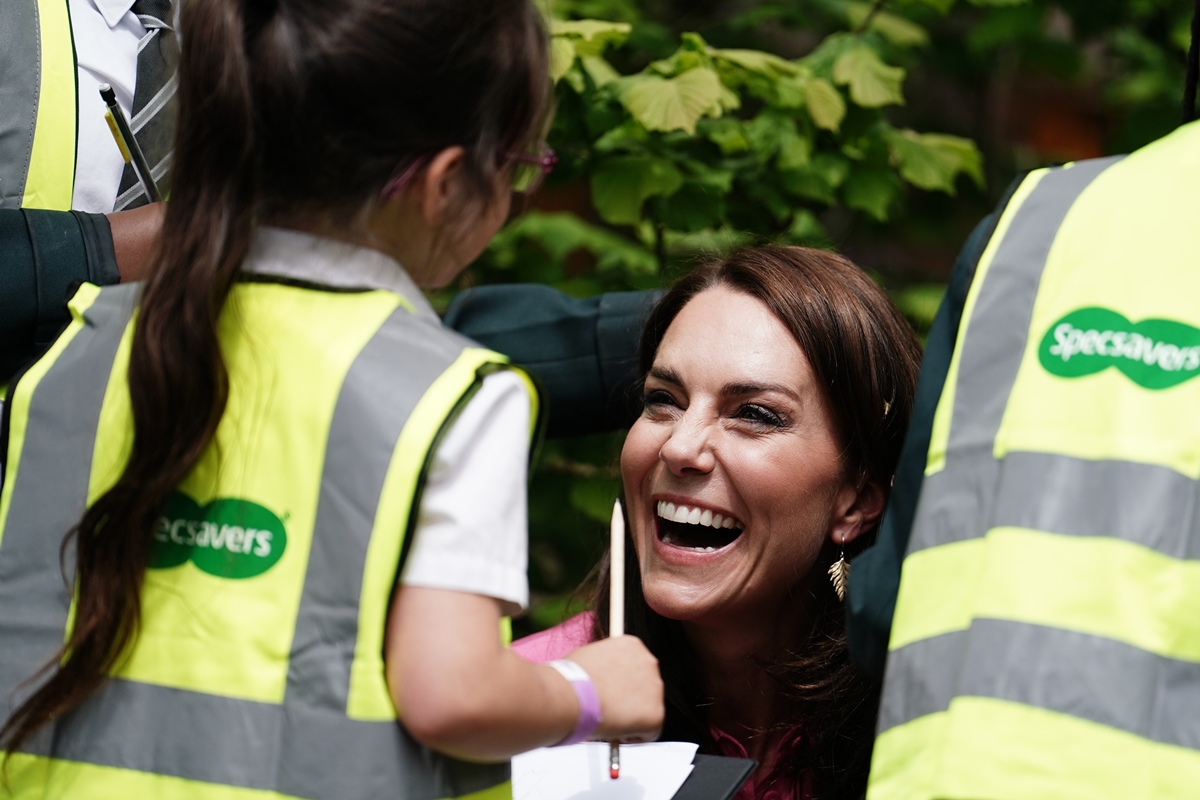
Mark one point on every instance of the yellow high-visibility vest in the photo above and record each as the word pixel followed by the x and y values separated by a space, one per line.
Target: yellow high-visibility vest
pixel 1046 640
pixel 38 113
pixel 258 669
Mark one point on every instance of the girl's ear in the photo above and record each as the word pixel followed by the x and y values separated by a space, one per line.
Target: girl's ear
pixel 439 187
pixel 857 511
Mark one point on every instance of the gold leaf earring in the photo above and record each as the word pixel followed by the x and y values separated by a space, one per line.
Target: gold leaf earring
pixel 838 572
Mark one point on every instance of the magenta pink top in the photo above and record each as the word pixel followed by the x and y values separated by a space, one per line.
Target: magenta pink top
pixel 559 641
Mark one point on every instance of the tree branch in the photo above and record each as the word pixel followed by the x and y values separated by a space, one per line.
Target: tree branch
pixel 876 7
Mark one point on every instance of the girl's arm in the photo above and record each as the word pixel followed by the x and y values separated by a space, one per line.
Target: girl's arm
pixel 460 691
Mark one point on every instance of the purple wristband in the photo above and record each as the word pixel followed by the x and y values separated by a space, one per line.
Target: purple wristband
pixel 589 703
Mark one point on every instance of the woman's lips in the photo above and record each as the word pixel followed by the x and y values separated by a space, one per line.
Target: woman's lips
pixel 689 531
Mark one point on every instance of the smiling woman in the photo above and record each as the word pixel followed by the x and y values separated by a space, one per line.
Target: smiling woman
pixel 778 386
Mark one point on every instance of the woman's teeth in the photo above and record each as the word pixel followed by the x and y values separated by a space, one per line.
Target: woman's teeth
pixel 693 515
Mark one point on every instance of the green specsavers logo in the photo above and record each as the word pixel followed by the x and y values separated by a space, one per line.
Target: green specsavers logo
pixel 1153 353
pixel 228 538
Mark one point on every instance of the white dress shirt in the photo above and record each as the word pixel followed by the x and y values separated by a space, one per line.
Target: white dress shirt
pixel 472 528
pixel 106 35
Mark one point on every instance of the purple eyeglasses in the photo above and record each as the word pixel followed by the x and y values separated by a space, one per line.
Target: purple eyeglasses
pixel 529 169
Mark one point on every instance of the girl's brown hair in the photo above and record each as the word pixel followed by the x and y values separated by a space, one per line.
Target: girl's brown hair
pixel 288 110
pixel 865 354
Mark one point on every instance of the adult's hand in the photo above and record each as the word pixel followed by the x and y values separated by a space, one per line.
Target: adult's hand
pixel 134 235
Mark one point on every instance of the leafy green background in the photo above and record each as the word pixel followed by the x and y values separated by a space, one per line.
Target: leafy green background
pixel 884 130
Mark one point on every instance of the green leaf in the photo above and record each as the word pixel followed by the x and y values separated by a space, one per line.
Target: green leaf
pixel 775 202
pixel 821 60
pixel 933 160
pixel 562 56
pixel 769 131
pixel 708 242
pixel 575 79
pixel 920 302
pixel 680 62
pixel 794 152
pixel 620 186
pixel 825 104
pixel 718 179
pixel 807 229
pixel 673 104
pixel 562 233
pixel 872 191
pixel 900 31
pixel 600 71
pixel 872 83
pixel 591 36
pixel 818 180
pixel 941 5
pixel 629 135
pixel 726 133
pixel 773 132
pixel 893 27
pixel 759 62
pixel 728 100
pixel 692 208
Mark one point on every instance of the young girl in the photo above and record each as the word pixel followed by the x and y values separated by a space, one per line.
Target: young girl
pixel 295 503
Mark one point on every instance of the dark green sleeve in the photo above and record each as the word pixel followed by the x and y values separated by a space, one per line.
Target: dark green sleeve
pixel 875 577
pixel 44 255
pixel 583 352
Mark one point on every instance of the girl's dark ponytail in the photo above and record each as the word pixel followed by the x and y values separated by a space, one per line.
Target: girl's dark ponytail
pixel 177 379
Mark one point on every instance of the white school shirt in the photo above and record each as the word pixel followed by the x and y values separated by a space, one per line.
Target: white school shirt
pixel 106 35
pixel 471 534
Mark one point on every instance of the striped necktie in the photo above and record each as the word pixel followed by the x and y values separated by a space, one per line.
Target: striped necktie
pixel 153 120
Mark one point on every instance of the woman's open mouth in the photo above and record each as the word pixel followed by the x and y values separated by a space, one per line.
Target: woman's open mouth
pixel 701 530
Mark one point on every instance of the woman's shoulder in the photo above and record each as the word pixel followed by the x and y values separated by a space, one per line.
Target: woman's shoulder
pixel 557 642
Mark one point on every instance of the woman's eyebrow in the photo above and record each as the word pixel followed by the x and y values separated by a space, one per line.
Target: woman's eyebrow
pixel 743 389
pixel 667 375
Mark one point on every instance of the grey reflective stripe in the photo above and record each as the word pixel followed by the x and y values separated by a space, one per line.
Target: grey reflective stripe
pixel 242 743
pixel 306 746
pixel 921 678
pixel 378 396
pixel 55 463
pixel 374 404
pixel 992 351
pixel 1089 677
pixel 20 64
pixel 1067 495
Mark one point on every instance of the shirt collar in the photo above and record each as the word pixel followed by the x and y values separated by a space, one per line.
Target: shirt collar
pixel 113 10
pixel 305 257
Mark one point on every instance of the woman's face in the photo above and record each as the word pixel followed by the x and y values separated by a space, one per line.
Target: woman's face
pixel 733 473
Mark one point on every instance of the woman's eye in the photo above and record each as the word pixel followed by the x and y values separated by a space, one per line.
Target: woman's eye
pixel 760 415
pixel 657 397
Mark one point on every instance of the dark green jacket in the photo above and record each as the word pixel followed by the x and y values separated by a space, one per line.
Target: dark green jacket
pixel 44 255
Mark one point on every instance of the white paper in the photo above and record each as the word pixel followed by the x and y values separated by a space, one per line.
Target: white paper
pixel 580 772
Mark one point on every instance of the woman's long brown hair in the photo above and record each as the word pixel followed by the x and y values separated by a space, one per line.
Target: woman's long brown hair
pixel 866 356
pixel 288 109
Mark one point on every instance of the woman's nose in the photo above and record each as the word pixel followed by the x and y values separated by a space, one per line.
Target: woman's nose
pixel 688 451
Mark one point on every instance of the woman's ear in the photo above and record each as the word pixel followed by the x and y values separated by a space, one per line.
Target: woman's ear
pixel 439 186
pixel 857 511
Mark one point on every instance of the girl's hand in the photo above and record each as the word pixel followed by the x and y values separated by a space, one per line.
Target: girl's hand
pixel 629 686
